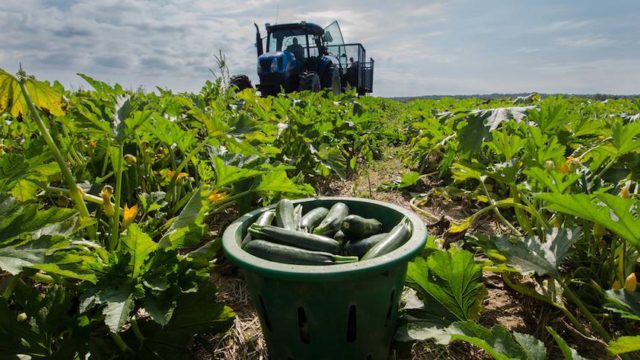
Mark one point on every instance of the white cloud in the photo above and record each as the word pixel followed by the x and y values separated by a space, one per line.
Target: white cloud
pixel 420 47
pixel 583 41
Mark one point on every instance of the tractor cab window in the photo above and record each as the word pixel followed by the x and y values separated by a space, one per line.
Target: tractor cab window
pixel 288 40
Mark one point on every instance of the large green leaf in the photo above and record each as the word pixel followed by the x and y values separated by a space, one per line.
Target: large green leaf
pixel 529 254
pixel 625 344
pixel 17 219
pixel 139 245
pixel 13 101
pixel 624 303
pixel 452 278
pixel 498 342
pixel 13 259
pixel 277 181
pixel 612 212
pixel 23 176
pixel 229 174
pixel 188 227
pixel 196 313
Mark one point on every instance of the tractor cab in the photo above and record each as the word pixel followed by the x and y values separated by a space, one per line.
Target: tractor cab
pixel 304 56
pixel 294 54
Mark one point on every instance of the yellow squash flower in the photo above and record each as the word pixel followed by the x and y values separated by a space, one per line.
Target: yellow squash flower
pixel 216 196
pixel 129 214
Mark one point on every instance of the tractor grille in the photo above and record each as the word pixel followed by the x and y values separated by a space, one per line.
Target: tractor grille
pixel 265 65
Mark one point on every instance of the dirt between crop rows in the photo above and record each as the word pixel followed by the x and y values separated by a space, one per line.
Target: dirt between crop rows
pixel 501 306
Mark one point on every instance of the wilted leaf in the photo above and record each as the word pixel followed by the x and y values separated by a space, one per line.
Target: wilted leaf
pixel 42 95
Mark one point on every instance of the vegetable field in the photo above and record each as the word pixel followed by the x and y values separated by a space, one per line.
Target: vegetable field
pixel 113 203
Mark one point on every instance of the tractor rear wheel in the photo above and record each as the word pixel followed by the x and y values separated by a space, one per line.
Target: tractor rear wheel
pixel 241 82
pixel 309 81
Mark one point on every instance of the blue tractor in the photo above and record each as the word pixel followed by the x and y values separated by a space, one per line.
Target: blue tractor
pixel 304 56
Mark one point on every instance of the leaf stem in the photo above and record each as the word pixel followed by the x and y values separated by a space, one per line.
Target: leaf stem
pixel 120 343
pixel 136 329
pixel 66 173
pixel 115 225
pixel 583 308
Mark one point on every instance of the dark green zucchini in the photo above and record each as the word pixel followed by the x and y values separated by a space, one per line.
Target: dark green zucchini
pixel 311 219
pixel 396 237
pixel 298 239
pixel 356 227
pixel 332 222
pixel 285 214
pixel 297 216
pixel 266 218
pixel 292 255
pixel 360 247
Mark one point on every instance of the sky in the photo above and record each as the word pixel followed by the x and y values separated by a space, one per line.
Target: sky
pixel 424 47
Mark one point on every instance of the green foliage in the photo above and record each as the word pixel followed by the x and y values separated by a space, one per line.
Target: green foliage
pixel 625 344
pixel 530 254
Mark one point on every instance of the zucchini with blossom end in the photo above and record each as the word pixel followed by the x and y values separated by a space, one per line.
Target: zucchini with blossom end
pixel 311 219
pixel 396 237
pixel 295 238
pixel 292 255
pixel 332 222
pixel 266 218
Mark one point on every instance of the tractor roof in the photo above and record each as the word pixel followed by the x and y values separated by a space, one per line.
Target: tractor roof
pixel 311 28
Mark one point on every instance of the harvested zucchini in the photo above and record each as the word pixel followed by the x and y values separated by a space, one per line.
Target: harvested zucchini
pixel 332 222
pixel 311 219
pixel 293 255
pixel 360 247
pixel 295 238
pixel 266 218
pixel 396 237
pixel 356 227
pixel 285 216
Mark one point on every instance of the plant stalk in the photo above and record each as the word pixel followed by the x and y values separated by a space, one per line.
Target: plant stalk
pixel 66 173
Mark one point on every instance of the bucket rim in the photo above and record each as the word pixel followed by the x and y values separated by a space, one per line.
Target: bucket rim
pixel 232 236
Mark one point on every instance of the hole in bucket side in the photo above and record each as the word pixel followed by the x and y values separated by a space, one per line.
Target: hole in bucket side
pixel 351 324
pixel 390 308
pixel 265 315
pixel 370 357
pixel 303 326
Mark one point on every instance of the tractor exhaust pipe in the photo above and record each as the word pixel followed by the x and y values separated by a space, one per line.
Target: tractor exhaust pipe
pixel 259 47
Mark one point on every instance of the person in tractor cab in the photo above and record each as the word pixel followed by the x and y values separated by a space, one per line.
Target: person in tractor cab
pixel 296 49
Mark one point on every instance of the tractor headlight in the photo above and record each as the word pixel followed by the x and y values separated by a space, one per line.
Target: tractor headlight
pixel 274 65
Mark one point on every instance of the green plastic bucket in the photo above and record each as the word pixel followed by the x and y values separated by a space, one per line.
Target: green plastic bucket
pixel 345 311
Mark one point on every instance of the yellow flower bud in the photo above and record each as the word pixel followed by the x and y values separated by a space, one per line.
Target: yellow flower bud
pixel 624 191
pixel 107 206
pixel 616 285
pixel 130 159
pixel 631 283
